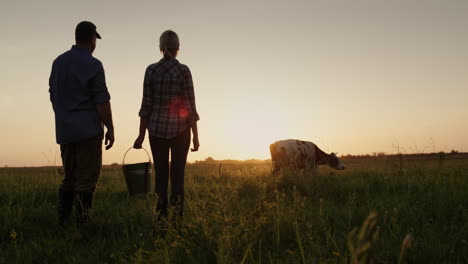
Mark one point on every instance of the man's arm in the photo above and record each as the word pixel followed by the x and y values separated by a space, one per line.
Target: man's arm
pixel 52 83
pixel 105 114
pixel 101 98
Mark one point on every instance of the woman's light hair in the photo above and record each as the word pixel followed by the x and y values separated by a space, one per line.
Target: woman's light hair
pixel 169 43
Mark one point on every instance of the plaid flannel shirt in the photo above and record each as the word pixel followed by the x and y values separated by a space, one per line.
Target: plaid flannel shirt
pixel 168 98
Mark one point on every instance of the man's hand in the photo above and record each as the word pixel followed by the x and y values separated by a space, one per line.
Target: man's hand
pixel 196 144
pixel 109 142
pixel 139 142
pixel 105 114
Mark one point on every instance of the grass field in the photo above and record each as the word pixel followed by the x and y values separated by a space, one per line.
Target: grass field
pixel 240 213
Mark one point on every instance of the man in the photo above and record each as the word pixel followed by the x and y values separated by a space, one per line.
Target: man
pixel 80 100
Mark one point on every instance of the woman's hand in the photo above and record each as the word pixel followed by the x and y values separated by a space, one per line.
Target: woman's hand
pixel 138 142
pixel 141 135
pixel 196 144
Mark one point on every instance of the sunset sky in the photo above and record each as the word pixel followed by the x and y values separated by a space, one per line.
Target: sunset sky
pixel 354 77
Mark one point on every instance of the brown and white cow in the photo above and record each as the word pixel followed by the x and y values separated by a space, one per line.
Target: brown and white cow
pixel 298 154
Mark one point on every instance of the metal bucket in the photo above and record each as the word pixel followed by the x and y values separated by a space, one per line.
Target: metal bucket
pixel 137 175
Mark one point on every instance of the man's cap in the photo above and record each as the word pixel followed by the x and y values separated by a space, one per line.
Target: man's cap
pixel 85 30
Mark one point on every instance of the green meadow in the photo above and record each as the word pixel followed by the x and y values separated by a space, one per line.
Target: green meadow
pixel 382 209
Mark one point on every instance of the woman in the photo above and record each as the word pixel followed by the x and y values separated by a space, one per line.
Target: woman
pixel 168 112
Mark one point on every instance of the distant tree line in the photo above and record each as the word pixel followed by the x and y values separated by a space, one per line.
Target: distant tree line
pixel 452 153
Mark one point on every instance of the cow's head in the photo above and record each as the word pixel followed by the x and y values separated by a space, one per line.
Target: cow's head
pixel 335 162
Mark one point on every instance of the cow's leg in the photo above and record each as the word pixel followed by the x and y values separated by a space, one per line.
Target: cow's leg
pixel 312 170
pixel 315 171
pixel 308 171
pixel 275 168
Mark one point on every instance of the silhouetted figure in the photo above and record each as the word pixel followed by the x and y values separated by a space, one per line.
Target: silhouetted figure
pixel 80 100
pixel 168 111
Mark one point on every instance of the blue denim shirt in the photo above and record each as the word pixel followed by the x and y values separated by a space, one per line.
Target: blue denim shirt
pixel 76 84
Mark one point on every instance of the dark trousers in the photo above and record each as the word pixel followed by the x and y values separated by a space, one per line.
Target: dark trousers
pixel 82 162
pixel 178 147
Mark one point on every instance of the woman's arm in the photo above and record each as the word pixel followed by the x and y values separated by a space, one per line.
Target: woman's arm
pixel 195 117
pixel 141 135
pixel 196 142
pixel 188 82
pixel 146 104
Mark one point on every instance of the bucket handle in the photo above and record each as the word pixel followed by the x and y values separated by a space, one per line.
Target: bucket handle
pixel 123 161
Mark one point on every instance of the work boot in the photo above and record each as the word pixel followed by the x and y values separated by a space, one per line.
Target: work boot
pixel 83 206
pixel 65 205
